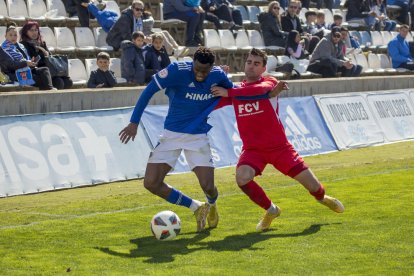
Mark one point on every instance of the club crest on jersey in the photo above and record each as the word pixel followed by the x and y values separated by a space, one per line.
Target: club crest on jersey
pixel 163 73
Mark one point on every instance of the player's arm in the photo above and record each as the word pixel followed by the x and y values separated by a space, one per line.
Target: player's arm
pixel 130 131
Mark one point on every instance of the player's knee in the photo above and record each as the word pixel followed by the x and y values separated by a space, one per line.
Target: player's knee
pixel 242 178
pixel 151 184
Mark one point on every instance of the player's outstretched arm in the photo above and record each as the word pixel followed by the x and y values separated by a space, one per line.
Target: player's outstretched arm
pixel 279 87
pixel 128 133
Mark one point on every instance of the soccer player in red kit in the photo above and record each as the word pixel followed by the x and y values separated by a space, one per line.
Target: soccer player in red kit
pixel 265 142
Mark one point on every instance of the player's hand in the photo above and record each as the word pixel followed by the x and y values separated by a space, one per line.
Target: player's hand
pixel 281 85
pixel 128 133
pixel 218 91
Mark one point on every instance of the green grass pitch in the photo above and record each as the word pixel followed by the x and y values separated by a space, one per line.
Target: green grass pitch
pixel 104 230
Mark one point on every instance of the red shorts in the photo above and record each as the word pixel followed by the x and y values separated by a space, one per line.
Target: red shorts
pixel 286 160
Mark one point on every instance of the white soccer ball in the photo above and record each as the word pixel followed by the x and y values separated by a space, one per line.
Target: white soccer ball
pixel 165 225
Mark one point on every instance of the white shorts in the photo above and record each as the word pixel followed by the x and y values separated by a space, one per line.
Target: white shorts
pixel 196 149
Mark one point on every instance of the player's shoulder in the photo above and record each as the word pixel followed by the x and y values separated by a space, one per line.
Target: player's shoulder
pixel 183 66
pixel 269 78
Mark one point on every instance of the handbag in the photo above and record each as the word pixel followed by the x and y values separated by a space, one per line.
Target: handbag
pixel 58 65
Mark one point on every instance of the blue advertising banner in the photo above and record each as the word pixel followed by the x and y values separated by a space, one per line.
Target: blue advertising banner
pixel 305 128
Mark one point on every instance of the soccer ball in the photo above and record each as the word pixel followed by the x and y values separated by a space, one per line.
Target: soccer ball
pixel 165 225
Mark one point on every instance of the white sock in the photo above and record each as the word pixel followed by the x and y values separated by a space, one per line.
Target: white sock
pixel 272 209
pixel 195 204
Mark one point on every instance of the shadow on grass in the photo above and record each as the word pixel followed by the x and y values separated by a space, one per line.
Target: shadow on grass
pixel 157 252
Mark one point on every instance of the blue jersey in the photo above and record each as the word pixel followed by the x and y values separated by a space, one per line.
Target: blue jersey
pixel 190 102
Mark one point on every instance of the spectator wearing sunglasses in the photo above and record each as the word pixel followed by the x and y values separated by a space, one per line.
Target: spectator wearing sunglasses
pixel 270 26
pixel 328 58
pixel 132 19
pixel 290 21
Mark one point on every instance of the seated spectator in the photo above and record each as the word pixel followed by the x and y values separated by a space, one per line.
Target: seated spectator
pixel 14 59
pixel 155 56
pixel 328 4
pixel 359 11
pixel 310 26
pixel 412 14
pixel 328 58
pixel 176 9
pixel 338 19
pixel 70 7
pixel 31 38
pixel 351 44
pixel 102 77
pixel 382 21
pixel 132 59
pixel 399 50
pixel 132 19
pixel 290 21
pixel 320 21
pixel 106 19
pixel 196 4
pixel 403 13
pixel 223 10
pixel 270 26
pixel 295 46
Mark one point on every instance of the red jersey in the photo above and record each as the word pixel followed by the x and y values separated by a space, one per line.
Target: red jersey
pixel 258 120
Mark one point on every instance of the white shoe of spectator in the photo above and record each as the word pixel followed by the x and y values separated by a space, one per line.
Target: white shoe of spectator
pixel 181 51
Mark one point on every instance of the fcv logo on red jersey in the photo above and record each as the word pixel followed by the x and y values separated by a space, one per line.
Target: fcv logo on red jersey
pixel 248 108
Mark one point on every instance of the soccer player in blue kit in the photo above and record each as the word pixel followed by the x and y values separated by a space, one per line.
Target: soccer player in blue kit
pixel 188 87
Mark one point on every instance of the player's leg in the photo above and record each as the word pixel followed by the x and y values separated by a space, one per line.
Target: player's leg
pixel 200 161
pixel 315 188
pixel 251 164
pixel 289 162
pixel 205 177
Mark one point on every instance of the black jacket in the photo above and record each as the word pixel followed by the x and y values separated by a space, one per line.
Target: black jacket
pixel 271 30
pixel 155 60
pixel 287 24
pixel 9 66
pixel 98 76
pixel 357 9
pixel 132 63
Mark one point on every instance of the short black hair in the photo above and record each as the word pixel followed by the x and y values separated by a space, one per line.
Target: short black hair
pixel 205 55
pixel 337 16
pixel 308 13
pixel 137 34
pixel 260 53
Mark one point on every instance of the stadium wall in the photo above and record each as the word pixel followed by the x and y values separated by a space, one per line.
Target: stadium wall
pixel 34 102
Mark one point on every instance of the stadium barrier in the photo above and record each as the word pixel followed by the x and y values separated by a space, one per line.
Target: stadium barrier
pixel 34 102
pixel 64 150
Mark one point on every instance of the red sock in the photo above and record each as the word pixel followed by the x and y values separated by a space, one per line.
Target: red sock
pixel 319 194
pixel 256 194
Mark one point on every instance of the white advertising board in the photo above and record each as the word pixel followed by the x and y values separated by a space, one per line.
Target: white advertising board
pixel 350 120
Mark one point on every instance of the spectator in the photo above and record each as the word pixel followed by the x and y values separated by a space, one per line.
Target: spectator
pixel 70 7
pixel 319 4
pixel 359 11
pixel 338 19
pixel 382 21
pixel 291 21
pixel 270 26
pixel 156 57
pixel 31 38
pixel 176 9
pixel 403 13
pixel 102 77
pixel 295 46
pixel 351 44
pixel 399 50
pixel 106 19
pixel 14 59
pixel 82 13
pixel 310 26
pixel 132 59
pixel 132 19
pixel 328 58
pixel 223 10
pixel 320 21
pixel 197 5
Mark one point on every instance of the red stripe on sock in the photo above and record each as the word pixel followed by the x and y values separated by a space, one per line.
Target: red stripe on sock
pixel 319 194
pixel 256 194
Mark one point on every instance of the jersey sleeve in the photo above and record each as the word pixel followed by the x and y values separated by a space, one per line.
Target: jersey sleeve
pixel 143 101
pixel 167 76
pixel 253 90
